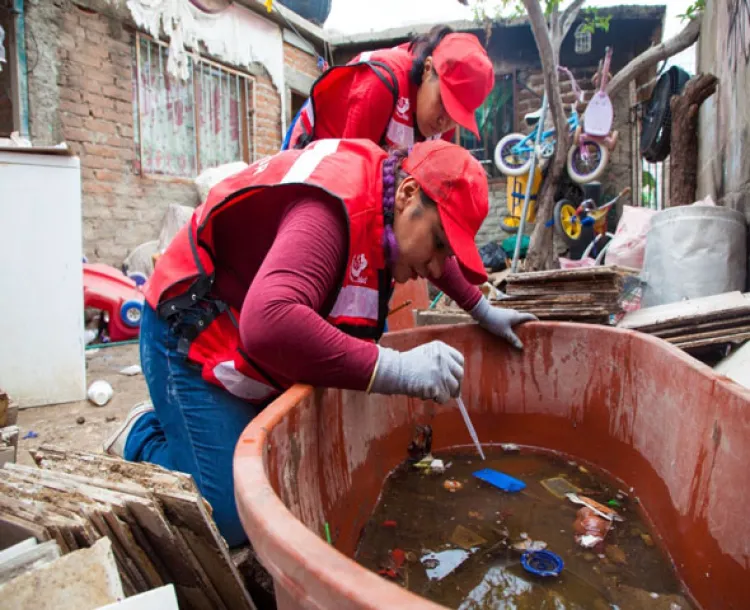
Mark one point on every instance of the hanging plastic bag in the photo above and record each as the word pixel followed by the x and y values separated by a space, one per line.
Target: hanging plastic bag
pixel 628 246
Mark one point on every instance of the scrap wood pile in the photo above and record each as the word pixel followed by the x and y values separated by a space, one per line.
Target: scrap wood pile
pixel 696 323
pixel 158 524
pixel 587 295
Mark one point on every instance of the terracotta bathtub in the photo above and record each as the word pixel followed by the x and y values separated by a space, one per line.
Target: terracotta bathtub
pixel 630 404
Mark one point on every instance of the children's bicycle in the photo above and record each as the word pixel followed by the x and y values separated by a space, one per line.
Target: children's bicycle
pixel 570 220
pixel 587 157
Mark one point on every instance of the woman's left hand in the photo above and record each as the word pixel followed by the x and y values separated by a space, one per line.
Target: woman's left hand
pixel 500 321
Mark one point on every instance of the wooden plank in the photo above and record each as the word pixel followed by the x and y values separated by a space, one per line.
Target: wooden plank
pixel 730 338
pixel 721 332
pixel 692 327
pixel 601 292
pixel 598 272
pixel 705 308
pixel 547 298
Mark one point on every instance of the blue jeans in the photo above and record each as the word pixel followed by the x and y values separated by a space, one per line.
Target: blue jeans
pixel 195 425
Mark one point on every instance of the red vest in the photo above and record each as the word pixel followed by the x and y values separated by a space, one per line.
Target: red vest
pixel 330 91
pixel 180 288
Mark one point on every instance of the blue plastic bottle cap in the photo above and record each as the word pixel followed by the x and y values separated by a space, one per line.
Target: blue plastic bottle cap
pixel 542 563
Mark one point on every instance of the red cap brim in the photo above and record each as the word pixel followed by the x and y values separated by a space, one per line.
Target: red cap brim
pixel 457 111
pixel 462 243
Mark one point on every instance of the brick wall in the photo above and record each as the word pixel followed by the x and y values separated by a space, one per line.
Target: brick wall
pixel 267 118
pixel 81 91
pixel 94 93
pixel 299 60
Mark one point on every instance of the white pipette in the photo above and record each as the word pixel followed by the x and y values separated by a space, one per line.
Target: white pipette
pixel 469 425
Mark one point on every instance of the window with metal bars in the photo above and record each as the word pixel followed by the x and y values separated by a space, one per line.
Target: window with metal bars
pixel 184 127
pixel 495 118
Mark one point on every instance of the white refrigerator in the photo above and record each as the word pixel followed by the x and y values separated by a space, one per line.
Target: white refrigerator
pixel 42 359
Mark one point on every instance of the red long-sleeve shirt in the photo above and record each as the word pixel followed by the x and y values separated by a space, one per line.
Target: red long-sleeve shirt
pixel 292 264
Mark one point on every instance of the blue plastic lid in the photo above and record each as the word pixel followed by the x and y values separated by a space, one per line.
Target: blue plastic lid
pixel 542 563
pixel 499 480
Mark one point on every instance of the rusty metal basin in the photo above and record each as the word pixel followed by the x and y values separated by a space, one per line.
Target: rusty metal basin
pixel 629 404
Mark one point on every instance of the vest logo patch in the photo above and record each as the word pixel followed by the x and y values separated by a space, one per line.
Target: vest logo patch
pixel 359 264
pixel 262 166
pixel 402 108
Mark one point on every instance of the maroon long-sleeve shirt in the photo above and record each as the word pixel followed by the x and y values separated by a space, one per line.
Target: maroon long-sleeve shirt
pixel 292 258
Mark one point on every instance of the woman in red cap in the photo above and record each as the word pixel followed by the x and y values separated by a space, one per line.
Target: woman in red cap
pixel 396 97
pixel 284 275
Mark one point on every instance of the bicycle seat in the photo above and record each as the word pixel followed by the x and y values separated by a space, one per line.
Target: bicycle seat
pixel 532 118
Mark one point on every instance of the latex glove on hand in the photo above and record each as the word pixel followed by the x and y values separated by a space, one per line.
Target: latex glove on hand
pixel 433 371
pixel 500 321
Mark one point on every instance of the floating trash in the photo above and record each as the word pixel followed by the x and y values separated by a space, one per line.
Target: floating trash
pixel 542 563
pixel 499 480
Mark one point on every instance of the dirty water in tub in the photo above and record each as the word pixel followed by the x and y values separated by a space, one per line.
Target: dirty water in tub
pixel 462 542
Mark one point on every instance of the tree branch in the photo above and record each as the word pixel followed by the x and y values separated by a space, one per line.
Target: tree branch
pixel 569 16
pixel 654 55
pixel 549 63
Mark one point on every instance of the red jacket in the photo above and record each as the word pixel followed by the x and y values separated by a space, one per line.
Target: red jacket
pixel 371 97
pixel 181 286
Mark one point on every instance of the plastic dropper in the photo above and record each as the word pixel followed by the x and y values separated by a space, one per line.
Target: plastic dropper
pixel 469 426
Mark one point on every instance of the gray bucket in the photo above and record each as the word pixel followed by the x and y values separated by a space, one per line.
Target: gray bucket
pixel 694 251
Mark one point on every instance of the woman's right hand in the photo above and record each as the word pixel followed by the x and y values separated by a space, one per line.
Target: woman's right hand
pixel 433 371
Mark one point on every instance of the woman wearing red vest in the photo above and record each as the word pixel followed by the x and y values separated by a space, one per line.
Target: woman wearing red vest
pixel 284 275
pixel 396 97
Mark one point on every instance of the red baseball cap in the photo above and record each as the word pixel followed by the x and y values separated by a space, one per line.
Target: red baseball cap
pixel 466 77
pixel 456 182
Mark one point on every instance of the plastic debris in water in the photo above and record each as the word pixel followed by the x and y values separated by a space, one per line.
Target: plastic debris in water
pixel 439 565
pixel 559 487
pixel 542 563
pixel 530 545
pixel 389 523
pixel 437 466
pixel 452 485
pixel 499 480
pixel 590 529
pixel 601 510
pixel 465 538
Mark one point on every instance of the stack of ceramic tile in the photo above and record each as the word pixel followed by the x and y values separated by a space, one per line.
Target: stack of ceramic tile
pixel 159 526
pixel 588 295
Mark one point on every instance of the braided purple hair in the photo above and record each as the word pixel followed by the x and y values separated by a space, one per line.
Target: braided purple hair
pixel 391 167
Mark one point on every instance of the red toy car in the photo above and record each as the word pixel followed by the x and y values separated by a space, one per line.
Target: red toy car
pixel 109 290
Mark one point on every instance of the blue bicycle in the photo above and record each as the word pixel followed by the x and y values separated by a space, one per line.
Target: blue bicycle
pixel 587 157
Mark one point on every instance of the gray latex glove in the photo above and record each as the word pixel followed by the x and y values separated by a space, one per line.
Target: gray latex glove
pixel 433 371
pixel 500 321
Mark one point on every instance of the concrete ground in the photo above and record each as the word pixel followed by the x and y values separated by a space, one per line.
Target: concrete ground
pixel 58 424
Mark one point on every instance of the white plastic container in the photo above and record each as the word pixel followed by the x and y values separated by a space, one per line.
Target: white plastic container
pixel 100 392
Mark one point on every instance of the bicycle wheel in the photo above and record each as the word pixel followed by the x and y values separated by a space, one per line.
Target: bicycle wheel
pixel 587 168
pixel 509 161
pixel 566 221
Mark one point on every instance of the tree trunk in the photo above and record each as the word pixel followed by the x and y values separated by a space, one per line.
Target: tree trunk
pixel 541 252
pixel 683 164
pixel 652 56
